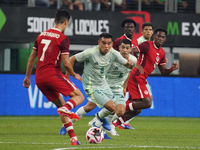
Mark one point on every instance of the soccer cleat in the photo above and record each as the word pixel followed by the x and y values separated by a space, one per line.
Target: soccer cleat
pixel 107 137
pixel 104 122
pixel 63 130
pixel 74 142
pixel 113 132
pixel 92 121
pixel 66 112
pixel 125 126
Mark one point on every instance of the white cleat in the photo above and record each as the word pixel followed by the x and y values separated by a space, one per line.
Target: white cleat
pixel 90 124
pixel 113 132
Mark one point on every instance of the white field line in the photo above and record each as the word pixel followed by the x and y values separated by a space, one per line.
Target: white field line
pixel 102 147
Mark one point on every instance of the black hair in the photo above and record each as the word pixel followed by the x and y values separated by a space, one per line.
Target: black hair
pixel 127 20
pixel 61 16
pixel 105 35
pixel 147 24
pixel 125 41
pixel 160 29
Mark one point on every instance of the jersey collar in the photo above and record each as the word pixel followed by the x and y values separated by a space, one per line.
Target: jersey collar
pixel 127 37
pixel 155 45
pixel 56 29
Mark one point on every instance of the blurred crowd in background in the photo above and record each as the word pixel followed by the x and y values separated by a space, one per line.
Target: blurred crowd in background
pixel 182 6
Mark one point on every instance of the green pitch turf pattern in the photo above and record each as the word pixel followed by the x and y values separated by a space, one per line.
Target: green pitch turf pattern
pixel 42 133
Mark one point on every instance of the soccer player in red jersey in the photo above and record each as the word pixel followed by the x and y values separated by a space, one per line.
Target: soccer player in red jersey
pixel 51 47
pixel 151 55
pixel 128 26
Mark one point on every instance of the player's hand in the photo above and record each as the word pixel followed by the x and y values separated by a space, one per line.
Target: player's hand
pixel 174 66
pixel 140 68
pixel 26 82
pixel 77 77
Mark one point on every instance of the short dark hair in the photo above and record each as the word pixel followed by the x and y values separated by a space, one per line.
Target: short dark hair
pixel 147 24
pixel 125 41
pixel 61 16
pixel 127 20
pixel 160 29
pixel 105 35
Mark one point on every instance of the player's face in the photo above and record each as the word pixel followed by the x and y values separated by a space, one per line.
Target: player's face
pixel 125 49
pixel 147 32
pixel 129 28
pixel 159 38
pixel 105 45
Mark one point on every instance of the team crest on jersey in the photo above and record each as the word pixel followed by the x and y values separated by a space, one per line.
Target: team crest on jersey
pixel 157 58
pixel 146 92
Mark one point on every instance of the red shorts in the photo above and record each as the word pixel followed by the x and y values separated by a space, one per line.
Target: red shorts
pixel 137 86
pixel 52 89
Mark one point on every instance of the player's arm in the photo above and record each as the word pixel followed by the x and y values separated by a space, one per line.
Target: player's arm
pixel 125 84
pixel 135 51
pixel 164 71
pixel 68 66
pixel 129 64
pixel 72 59
pixel 30 64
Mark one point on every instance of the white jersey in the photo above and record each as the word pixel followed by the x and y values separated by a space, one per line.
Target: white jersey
pixel 118 74
pixel 141 40
pixel 97 65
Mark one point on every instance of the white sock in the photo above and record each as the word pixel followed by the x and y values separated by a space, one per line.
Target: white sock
pixel 104 112
pixel 114 118
pixel 109 118
pixel 81 112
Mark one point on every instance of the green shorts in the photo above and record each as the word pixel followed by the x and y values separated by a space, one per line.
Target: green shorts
pixel 100 96
pixel 119 97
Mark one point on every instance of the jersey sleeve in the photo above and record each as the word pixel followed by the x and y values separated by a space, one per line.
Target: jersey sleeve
pixel 64 46
pixel 163 60
pixel 116 44
pixel 82 56
pixel 35 46
pixel 144 47
pixel 119 58
pixel 133 58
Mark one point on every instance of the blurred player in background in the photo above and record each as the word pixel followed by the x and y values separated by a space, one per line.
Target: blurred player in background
pixel 151 55
pixel 51 47
pixel 128 25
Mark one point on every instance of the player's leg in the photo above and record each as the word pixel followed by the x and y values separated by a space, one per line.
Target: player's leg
pixel 108 108
pixel 54 96
pixel 67 88
pixel 138 91
pixel 127 116
pixel 102 97
pixel 67 124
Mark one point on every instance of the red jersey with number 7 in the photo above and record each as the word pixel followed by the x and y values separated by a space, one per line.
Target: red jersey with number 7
pixel 149 57
pixel 50 45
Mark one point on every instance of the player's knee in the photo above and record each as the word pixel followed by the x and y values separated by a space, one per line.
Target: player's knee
pixel 147 102
pixel 88 108
pixel 120 112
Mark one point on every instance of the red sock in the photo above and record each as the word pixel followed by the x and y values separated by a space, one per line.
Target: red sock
pixel 70 104
pixel 121 120
pixel 70 129
pixel 130 106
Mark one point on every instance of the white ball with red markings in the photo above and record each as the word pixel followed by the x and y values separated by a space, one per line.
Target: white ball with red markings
pixel 94 135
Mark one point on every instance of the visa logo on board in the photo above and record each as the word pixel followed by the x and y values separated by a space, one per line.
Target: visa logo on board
pixel 36 99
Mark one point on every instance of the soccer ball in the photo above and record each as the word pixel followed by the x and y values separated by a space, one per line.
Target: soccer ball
pixel 94 135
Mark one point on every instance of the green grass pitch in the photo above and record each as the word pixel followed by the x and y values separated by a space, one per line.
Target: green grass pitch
pixel 42 133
